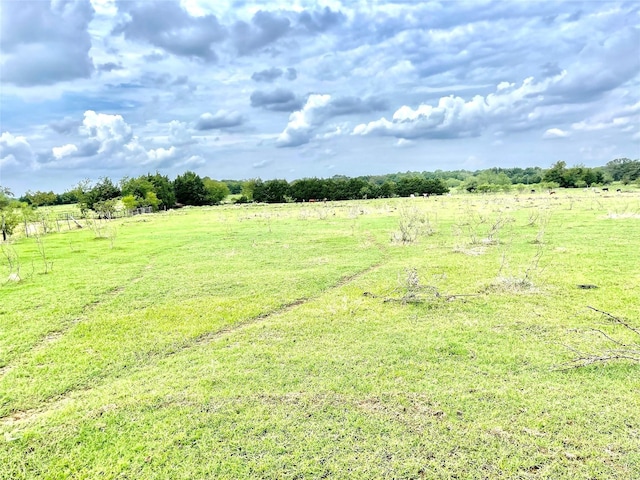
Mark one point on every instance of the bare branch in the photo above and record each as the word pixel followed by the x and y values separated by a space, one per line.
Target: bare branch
pixel 616 319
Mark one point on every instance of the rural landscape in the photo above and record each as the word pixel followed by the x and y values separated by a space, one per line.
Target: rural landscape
pixel 319 239
pixel 461 335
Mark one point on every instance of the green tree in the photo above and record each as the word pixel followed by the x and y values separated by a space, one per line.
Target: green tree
pixel 129 202
pixel 235 186
pixel 105 208
pixel 101 191
pixel 9 218
pixel 216 191
pixel 38 199
pixel 189 189
pixel 247 188
pixel 151 200
pixel 163 188
pixel 273 191
pixel 556 174
pixel 137 187
pixel 624 169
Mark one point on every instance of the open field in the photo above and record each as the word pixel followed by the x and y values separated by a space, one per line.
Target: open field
pixel 397 338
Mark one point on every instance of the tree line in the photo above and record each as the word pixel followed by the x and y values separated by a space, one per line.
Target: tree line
pixel 157 191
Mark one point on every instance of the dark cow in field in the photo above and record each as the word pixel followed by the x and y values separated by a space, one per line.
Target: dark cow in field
pixel 551 192
pixel 605 189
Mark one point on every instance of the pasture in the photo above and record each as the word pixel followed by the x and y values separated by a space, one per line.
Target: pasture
pixel 391 338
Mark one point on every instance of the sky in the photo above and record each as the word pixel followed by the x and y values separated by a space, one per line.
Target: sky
pixel 302 88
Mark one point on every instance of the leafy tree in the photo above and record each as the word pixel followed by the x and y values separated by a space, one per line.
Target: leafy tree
pixel 216 191
pixel 189 189
pixel 101 191
pixel 272 191
pixel 163 188
pixel 67 198
pixel 234 186
pixel 308 188
pixel 8 216
pixel 136 187
pixel 39 198
pixel 105 208
pixel 624 169
pixel 556 173
pixel 387 189
pixel 81 192
pixel 151 200
pixel 129 202
pixel 248 187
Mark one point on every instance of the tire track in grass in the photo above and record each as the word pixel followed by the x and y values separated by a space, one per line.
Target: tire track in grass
pixel 20 416
pixel 52 336
pixel 211 336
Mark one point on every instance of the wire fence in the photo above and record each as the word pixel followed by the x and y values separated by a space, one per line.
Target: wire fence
pixel 61 221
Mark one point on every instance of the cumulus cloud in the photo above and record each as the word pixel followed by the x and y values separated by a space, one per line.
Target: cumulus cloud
pixel 555 133
pixel 268 75
pixel 179 134
pixel 15 151
pixel 65 126
pixel 45 42
pixel 168 26
pixel 351 105
pixel 264 29
pixel 626 119
pixel 453 117
pixel 271 74
pixel 109 67
pixel 111 131
pixel 302 123
pixel 222 119
pixel 162 156
pixel 279 100
pixel 319 109
pixel 64 151
pixel 601 67
pixel 320 21
pixel 107 140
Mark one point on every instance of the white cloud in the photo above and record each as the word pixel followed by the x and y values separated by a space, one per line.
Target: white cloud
pixel 555 133
pixel 302 123
pixel 15 150
pixel 110 130
pixel 179 133
pixel 64 151
pixel 222 119
pixel 404 143
pixel 453 117
pixel 162 155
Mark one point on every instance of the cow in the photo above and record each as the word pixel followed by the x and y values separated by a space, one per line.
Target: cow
pixel 551 192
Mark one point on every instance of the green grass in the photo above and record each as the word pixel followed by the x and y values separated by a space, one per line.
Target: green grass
pixel 289 341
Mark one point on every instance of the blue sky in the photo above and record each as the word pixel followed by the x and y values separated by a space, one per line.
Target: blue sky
pixel 275 89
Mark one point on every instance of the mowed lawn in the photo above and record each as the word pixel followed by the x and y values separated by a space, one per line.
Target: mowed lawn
pixel 310 341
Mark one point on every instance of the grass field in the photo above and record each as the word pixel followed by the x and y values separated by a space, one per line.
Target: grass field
pixel 401 338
